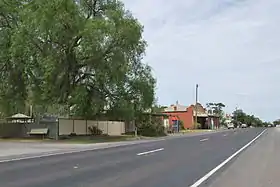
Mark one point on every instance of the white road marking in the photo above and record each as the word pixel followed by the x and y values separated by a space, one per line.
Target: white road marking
pixel 148 152
pixel 205 139
pixel 225 135
pixel 213 171
pixel 42 155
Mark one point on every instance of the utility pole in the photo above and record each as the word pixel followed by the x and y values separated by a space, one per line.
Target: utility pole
pixel 236 116
pixel 196 98
pixel 134 119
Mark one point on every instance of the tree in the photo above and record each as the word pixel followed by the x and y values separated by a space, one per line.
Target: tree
pixel 80 57
pixel 13 84
pixel 217 109
pixel 276 122
pixel 241 117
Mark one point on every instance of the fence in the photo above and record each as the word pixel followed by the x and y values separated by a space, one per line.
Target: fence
pixel 81 127
pixel 20 130
pixel 64 127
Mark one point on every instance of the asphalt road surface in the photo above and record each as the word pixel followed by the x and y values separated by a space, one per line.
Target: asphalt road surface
pixel 258 166
pixel 177 162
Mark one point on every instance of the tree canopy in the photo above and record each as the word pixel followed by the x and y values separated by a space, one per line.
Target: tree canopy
pixel 82 57
pixel 217 108
pixel 239 117
pixel 276 122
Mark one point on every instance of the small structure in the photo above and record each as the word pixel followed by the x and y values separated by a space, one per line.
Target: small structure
pixel 186 114
pixel 179 112
pixel 175 124
pixel 19 118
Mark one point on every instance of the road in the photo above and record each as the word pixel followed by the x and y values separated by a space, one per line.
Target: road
pixel 174 162
pixel 258 166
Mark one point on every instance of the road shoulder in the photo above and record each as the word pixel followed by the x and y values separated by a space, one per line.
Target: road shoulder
pixel 257 166
pixel 11 151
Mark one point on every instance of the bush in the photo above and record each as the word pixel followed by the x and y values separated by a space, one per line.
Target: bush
pixel 73 134
pixel 94 130
pixel 181 125
pixel 151 130
pixel 198 126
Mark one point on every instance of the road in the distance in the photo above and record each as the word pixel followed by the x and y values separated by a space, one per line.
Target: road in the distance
pixel 175 162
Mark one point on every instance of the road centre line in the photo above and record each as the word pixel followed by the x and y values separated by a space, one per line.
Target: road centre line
pixel 205 139
pixel 148 152
pixel 213 171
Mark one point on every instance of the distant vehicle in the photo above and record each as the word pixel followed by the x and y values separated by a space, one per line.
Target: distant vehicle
pixel 243 125
pixel 230 126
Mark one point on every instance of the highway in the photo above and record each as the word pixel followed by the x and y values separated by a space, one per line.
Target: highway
pixel 176 162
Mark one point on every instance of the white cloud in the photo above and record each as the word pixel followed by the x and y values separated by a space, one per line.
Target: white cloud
pixel 226 46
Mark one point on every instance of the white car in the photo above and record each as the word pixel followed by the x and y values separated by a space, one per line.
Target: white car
pixel 243 125
pixel 230 126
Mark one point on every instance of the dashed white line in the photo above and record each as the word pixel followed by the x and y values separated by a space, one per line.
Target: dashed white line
pixel 148 152
pixel 213 171
pixel 225 135
pixel 203 140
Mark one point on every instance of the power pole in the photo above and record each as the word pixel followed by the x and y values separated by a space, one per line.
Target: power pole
pixel 236 116
pixel 196 98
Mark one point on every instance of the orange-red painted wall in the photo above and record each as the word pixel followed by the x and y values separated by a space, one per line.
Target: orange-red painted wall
pixel 185 116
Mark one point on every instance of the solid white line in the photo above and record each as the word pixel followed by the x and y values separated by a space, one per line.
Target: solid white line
pixel 202 140
pixel 148 152
pixel 213 171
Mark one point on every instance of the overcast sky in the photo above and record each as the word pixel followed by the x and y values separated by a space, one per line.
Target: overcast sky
pixel 231 48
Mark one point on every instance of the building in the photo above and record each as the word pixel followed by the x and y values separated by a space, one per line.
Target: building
pixel 187 114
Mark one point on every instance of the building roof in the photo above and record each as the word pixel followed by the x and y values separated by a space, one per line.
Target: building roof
pixel 176 108
pixel 19 116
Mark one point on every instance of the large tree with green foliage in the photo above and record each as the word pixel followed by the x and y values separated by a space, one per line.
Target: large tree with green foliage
pixel 217 109
pixel 79 54
pixel 239 117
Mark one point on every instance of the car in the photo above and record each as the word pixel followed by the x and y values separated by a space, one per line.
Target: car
pixel 230 126
pixel 243 125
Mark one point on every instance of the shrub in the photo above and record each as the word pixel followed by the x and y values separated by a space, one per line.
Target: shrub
pixel 198 126
pixel 94 130
pixel 151 130
pixel 181 125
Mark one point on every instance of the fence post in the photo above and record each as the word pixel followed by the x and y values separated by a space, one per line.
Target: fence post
pixel 57 129
pixel 73 129
pixel 86 127
pixel 107 127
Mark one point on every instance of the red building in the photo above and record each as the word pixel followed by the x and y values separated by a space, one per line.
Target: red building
pixel 186 114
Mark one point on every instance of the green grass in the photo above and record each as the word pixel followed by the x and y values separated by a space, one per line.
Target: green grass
pixel 74 139
pixel 23 139
pixel 96 139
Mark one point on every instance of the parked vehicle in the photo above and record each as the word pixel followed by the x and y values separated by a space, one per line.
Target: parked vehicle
pixel 244 125
pixel 230 126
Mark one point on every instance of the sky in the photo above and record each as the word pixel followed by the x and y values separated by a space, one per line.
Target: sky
pixel 230 48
